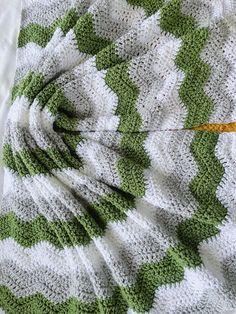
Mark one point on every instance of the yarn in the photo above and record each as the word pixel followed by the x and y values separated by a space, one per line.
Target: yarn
pixel 119 189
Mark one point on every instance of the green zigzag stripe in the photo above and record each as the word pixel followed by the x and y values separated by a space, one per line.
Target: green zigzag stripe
pixel 188 60
pixel 203 187
pixel 59 233
pixel 117 78
pixel 87 39
pixel 50 96
pixel 38 161
pixel 171 268
pixel 35 161
pixel 211 211
pixel 138 296
pixel 41 35
pixel 150 6
pixel 42 161
pixel 107 57
pixel 75 231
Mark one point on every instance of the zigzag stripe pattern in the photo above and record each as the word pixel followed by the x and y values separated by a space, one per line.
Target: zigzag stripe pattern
pixel 116 198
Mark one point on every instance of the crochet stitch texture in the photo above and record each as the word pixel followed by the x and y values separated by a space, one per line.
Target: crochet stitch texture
pixel 112 202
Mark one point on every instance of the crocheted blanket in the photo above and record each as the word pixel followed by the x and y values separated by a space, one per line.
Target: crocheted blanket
pixel 119 190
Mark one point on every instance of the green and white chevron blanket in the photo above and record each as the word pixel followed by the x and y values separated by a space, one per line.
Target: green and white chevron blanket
pixel 120 188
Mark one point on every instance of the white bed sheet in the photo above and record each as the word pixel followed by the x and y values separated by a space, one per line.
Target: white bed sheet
pixel 10 14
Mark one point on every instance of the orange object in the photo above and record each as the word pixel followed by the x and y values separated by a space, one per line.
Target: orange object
pixel 230 127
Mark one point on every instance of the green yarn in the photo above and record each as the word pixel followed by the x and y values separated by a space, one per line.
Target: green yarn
pixel 88 41
pixel 107 57
pixel 132 177
pixel 174 21
pixel 59 233
pixel 65 122
pixel 117 78
pixel 72 140
pixel 138 296
pixel 197 72
pixel 8 157
pixel 52 97
pixel 150 6
pixel 209 176
pixel 132 146
pixel 78 230
pixel 41 35
pixel 37 161
pixel 188 60
pixel 29 86
pixel 211 212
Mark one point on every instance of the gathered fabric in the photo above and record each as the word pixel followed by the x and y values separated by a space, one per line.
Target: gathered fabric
pixel 119 159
